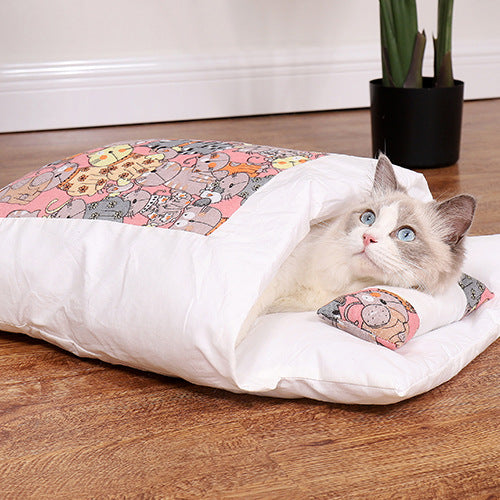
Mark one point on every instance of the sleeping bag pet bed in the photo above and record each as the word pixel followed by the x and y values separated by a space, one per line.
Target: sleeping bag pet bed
pixel 152 253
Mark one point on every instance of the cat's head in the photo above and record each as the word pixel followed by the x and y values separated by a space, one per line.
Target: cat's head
pixel 397 240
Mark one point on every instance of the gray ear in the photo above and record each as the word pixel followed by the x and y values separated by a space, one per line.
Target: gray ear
pixel 457 214
pixel 385 178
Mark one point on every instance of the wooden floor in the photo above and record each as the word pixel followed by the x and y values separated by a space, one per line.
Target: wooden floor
pixel 74 428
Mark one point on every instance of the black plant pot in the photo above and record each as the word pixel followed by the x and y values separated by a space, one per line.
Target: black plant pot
pixel 417 128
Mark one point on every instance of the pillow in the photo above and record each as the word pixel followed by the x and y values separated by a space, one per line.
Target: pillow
pixel 383 316
pixel 152 253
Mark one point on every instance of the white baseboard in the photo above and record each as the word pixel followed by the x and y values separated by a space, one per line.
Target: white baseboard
pixel 124 91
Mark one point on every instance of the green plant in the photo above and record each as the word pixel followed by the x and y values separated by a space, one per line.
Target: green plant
pixel 403 45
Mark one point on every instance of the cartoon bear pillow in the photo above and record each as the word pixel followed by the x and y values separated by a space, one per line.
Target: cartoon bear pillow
pixel 391 317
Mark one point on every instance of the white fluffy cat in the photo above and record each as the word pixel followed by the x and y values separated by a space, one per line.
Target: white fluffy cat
pixel 388 238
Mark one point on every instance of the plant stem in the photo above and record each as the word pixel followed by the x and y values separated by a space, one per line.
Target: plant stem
pixel 443 71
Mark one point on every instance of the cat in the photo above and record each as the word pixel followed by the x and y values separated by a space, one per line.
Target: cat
pixel 388 238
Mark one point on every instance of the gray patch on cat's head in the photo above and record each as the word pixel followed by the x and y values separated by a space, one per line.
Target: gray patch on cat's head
pixel 417 252
pixel 384 180
pixel 456 215
pixel 438 249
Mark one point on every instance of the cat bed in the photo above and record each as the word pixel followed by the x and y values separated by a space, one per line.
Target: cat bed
pixel 151 254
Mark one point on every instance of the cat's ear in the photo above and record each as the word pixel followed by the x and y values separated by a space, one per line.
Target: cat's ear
pixel 385 179
pixel 456 214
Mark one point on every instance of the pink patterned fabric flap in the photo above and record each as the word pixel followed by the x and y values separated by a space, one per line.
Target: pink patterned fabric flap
pixel 178 184
pixel 475 291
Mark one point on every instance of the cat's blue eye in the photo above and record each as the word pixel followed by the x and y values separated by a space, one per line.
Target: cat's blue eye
pixel 406 234
pixel 367 218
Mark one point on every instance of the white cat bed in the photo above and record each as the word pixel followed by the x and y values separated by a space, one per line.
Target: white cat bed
pixel 154 295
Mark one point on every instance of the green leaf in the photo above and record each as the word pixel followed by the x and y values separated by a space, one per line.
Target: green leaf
pixel 387 77
pixel 443 71
pixel 390 51
pixel 405 25
pixel 414 77
pixel 398 31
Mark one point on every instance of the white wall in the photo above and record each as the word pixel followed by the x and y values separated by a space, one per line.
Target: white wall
pixel 69 63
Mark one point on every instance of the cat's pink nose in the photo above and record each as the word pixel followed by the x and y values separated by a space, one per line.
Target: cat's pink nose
pixel 368 238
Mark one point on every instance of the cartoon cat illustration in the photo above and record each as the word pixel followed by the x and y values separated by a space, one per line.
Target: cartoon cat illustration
pixel 26 190
pixel 111 209
pixel 254 184
pixel 202 147
pixel 252 169
pixel 195 179
pixel 223 189
pixel 87 181
pixel 138 199
pixel 22 214
pixel 159 208
pixel 166 147
pixel 201 220
pixel 160 175
pixel 74 208
pixel 289 162
pixel 133 167
pixel 108 156
pixel 274 153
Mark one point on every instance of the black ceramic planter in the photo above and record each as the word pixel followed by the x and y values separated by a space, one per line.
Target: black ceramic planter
pixel 417 128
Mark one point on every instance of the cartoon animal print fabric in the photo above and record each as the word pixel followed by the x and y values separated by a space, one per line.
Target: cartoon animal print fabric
pixel 375 315
pixel 475 292
pixel 382 317
pixel 185 185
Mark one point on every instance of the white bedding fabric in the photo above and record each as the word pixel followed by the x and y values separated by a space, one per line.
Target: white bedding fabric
pixel 173 302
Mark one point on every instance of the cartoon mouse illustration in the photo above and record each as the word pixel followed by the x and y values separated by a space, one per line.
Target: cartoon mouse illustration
pixel 160 207
pixel 201 220
pixel 223 189
pixel 374 315
pixel 380 313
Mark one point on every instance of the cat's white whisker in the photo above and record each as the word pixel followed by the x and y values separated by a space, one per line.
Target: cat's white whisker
pixel 406 261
